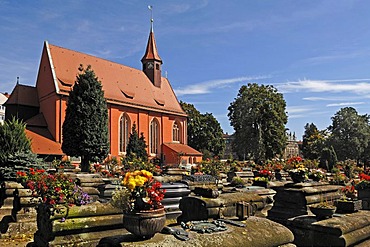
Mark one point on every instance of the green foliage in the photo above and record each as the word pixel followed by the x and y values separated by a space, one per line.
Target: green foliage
pixel 136 147
pixel 15 151
pixel 237 181
pixel 313 142
pixel 258 117
pixel 133 163
pixel 212 167
pixel 328 158
pixel 13 139
pixel 85 128
pixel 20 161
pixel 204 131
pixel 350 133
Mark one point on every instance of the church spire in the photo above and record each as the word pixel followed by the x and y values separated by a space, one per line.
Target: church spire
pixel 151 61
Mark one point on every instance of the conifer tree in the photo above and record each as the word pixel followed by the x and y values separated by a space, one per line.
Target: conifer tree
pixel 85 128
pixel 136 146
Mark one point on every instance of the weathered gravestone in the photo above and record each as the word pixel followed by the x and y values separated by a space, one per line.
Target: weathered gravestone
pixel 294 198
pixel 341 230
pixel 201 208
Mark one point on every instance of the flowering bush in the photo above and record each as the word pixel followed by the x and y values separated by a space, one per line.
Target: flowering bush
pixel 237 182
pixel 339 178
pixel 364 181
pixel 52 189
pixel 316 174
pixel 349 192
pixel 262 179
pixel 265 173
pixel 139 191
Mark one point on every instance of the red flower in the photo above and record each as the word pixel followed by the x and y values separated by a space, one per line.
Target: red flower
pixel 363 176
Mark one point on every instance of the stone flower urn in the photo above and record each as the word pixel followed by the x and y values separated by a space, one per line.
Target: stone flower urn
pixel 145 223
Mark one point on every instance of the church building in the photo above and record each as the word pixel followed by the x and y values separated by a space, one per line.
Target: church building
pixel 141 97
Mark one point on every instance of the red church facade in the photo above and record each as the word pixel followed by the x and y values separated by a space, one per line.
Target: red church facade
pixel 141 97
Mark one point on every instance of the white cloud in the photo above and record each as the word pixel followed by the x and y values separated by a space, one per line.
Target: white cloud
pixel 358 86
pixel 328 98
pixel 298 109
pixel 205 87
pixel 346 104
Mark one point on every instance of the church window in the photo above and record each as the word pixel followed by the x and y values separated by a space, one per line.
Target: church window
pixel 154 136
pixel 124 132
pixel 175 132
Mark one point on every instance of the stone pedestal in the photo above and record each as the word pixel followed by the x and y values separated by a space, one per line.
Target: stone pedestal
pixel 18 216
pixel 341 230
pixel 294 198
pixel 72 226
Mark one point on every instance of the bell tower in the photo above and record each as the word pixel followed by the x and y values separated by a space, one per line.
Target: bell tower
pixel 152 63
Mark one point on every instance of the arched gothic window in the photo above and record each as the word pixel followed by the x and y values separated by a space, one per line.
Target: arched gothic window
pixel 175 132
pixel 154 136
pixel 124 132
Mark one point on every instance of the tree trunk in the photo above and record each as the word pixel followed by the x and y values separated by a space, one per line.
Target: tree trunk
pixel 85 164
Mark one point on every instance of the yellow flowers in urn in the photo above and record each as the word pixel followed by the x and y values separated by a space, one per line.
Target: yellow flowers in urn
pixel 136 179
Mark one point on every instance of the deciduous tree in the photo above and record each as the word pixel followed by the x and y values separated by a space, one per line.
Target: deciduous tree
pixel 313 142
pixel 349 133
pixel 204 131
pixel 258 117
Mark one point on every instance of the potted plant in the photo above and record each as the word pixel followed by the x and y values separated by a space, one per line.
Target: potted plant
pixel 363 187
pixel 140 199
pixel 316 174
pixel 323 210
pixel 348 203
pixel 237 182
pixel 299 174
pixel 298 171
pixel 261 181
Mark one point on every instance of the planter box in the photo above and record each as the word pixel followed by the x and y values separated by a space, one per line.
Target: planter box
pixel 348 206
pixel 260 183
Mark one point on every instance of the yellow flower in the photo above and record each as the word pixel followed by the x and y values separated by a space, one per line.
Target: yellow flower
pixel 131 184
pixel 147 174
pixel 140 181
pixel 125 180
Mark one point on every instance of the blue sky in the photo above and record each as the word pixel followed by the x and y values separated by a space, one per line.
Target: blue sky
pixel 317 53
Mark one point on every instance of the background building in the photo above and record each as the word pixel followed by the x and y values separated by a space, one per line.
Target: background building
pixel 3 99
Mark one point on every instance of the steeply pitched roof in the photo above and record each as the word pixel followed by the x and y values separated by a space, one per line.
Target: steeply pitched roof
pixel 23 95
pixel 121 84
pixel 151 51
pixel 182 148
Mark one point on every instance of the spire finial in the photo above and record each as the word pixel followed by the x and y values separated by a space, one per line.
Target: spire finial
pixel 17 80
pixel 150 7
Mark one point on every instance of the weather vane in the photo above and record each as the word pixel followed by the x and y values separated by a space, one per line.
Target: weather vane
pixel 150 7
